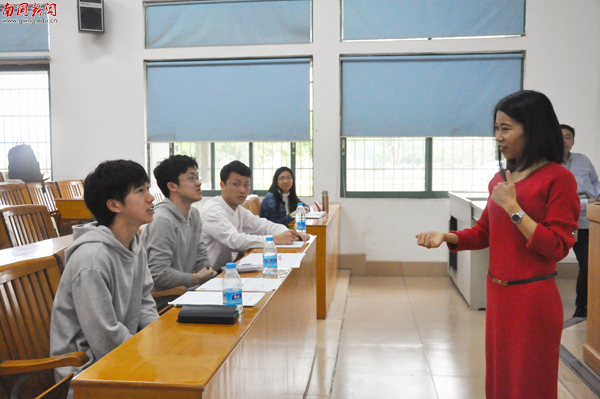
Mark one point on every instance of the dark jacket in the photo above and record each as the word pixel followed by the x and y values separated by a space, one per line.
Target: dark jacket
pixel 273 211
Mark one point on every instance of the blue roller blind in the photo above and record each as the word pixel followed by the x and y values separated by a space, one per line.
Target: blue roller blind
pixel 394 19
pixel 440 95
pixel 222 23
pixel 24 36
pixel 232 100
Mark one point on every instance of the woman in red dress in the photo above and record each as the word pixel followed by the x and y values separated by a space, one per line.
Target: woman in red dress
pixel 528 225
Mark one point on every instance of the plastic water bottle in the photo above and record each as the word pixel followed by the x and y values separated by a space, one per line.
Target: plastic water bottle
pixel 300 219
pixel 270 258
pixel 232 288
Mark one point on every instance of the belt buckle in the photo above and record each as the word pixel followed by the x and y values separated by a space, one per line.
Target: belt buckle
pixel 499 282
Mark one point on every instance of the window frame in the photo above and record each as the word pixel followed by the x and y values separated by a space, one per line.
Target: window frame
pixel 34 65
pixel 215 178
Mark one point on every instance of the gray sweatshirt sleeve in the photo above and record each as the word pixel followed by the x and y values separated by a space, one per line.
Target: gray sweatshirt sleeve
pixel 148 311
pixel 201 253
pixel 96 314
pixel 160 242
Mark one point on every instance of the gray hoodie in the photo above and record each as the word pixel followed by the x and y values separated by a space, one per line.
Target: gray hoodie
pixel 174 246
pixel 104 296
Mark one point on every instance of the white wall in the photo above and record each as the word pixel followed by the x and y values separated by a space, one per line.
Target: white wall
pixel 98 101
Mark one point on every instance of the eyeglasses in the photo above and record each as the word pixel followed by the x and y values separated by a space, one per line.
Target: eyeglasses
pixel 283 178
pixel 192 178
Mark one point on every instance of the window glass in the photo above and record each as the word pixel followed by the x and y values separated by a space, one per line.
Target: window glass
pixel 25 116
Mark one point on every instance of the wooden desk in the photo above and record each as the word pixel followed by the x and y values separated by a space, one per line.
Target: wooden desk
pixel 327 230
pixel 73 209
pixel 267 354
pixel 591 349
pixel 35 250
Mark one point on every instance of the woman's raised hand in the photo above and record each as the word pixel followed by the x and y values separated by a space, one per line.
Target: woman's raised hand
pixel 430 239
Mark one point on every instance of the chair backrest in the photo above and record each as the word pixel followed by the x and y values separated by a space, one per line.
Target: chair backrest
pixel 254 203
pixel 158 196
pixel 27 224
pixel 2 179
pixel 70 188
pixel 246 204
pixel 38 196
pixel 14 194
pixel 28 289
pixel 58 391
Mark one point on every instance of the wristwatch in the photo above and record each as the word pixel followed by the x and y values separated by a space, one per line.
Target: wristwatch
pixel 517 217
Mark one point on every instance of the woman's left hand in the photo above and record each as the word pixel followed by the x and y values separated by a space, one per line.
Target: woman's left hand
pixel 505 194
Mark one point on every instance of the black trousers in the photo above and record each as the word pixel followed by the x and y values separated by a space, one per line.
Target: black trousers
pixel 581 249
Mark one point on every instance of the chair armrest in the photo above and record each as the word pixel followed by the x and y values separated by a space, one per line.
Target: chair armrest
pixel 171 291
pixel 74 359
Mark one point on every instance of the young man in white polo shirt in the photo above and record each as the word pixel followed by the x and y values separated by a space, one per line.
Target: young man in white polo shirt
pixel 230 228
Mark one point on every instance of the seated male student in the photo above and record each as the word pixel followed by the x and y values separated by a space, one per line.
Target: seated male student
pixel 176 254
pixel 104 296
pixel 229 227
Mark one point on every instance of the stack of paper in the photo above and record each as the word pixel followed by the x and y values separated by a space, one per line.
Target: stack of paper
pixel 248 284
pixel 315 215
pixel 284 261
pixel 213 298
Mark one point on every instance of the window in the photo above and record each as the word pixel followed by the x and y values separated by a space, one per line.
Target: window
pixel 25 113
pixel 262 157
pixel 418 126
pixel 257 111
pixel 209 23
pixel 393 19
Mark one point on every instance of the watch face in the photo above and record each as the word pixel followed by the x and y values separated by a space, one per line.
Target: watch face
pixel 515 218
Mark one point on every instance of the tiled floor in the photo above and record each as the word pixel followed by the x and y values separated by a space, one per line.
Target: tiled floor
pixel 412 337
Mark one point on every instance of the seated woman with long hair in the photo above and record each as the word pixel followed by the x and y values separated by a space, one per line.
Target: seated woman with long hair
pixel 279 206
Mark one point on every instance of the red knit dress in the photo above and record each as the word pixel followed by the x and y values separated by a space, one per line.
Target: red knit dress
pixel 524 322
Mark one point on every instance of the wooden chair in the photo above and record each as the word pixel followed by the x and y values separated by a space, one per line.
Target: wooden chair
pixel 58 391
pixel 36 192
pixel 246 204
pixel 14 194
pixel 28 288
pixel 70 188
pixel 60 259
pixel 26 224
pixel 162 298
pixel 2 179
pixel 158 196
pixel 254 203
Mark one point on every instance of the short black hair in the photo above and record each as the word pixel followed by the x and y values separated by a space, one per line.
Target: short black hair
pixel 237 167
pixel 569 128
pixel 169 169
pixel 543 137
pixel 111 180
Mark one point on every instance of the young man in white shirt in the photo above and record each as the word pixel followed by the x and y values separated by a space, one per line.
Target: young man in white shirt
pixel 230 228
pixel 176 254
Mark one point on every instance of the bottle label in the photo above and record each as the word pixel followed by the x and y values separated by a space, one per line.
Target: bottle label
pixel 270 262
pixel 301 225
pixel 232 297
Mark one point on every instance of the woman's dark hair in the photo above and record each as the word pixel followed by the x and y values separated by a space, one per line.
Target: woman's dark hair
pixel 293 199
pixel 543 137
pixel 111 180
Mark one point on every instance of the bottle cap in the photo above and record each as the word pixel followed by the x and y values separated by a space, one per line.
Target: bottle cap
pixel 300 204
pixel 269 238
pixel 230 265
pixel 325 192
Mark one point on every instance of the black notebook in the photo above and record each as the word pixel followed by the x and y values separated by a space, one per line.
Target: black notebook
pixel 208 314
